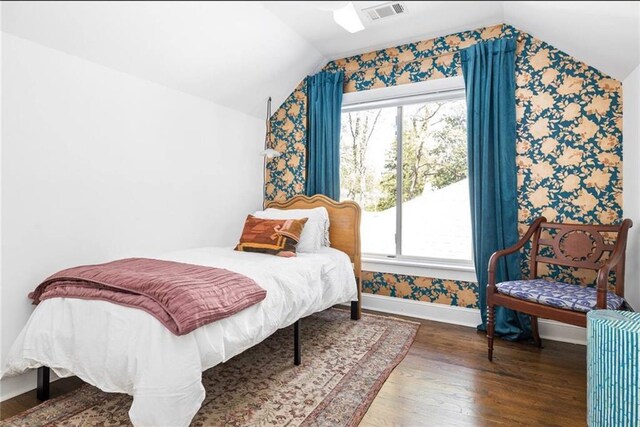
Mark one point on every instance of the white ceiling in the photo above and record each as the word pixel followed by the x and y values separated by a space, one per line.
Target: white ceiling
pixel 238 53
pixel 424 20
pixel 233 53
pixel 604 34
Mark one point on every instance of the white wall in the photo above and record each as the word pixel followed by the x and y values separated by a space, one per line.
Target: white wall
pixel 631 185
pixel 98 165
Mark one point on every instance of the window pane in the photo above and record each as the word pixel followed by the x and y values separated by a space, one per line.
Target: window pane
pixel 368 174
pixel 435 192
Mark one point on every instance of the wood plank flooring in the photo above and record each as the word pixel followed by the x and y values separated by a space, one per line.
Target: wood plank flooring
pixel 446 380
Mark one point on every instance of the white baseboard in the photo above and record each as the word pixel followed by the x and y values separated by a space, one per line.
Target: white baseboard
pixel 470 317
pixel 556 331
pixel 422 310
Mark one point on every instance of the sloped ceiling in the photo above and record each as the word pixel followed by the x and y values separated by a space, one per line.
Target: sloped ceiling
pixel 238 53
pixel 235 54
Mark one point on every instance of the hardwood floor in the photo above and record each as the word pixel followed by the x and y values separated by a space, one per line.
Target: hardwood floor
pixel 446 380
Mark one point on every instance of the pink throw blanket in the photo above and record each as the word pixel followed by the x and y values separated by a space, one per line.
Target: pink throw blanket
pixel 181 296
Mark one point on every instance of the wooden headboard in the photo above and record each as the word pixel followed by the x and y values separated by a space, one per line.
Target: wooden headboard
pixel 344 228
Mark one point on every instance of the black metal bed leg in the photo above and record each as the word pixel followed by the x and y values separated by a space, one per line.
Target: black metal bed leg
pixel 44 375
pixel 297 345
pixel 355 310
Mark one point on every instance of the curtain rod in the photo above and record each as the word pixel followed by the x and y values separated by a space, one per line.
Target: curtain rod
pixel 519 39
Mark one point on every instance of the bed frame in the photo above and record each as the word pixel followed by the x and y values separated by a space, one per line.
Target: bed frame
pixel 344 234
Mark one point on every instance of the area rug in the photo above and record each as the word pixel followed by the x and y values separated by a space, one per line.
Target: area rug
pixel 344 365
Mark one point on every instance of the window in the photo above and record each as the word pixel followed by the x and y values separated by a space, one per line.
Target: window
pixel 404 160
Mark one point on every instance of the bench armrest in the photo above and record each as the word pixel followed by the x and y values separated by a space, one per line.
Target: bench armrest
pixel 493 261
pixel 617 256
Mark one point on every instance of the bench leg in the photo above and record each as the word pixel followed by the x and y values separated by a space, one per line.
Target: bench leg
pixel 44 374
pixel 535 331
pixel 297 345
pixel 490 327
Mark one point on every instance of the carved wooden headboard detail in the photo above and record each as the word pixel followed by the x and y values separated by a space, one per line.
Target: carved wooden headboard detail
pixel 344 230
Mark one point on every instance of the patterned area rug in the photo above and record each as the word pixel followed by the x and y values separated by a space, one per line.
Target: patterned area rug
pixel 344 364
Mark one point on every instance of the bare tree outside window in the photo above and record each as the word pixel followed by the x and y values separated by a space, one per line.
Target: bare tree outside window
pixel 355 178
pixel 434 172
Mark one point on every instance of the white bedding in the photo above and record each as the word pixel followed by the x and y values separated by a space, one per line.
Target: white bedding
pixel 122 349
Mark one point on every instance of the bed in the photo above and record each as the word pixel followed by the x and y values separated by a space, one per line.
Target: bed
pixel 123 349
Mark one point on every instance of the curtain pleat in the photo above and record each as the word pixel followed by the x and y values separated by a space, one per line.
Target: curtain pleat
pixel 489 74
pixel 324 97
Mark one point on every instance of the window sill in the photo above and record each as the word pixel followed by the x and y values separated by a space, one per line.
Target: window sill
pixel 432 269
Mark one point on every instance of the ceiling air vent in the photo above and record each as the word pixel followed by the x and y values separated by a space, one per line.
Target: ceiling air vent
pixel 385 10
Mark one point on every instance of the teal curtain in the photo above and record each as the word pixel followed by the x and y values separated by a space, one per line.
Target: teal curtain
pixel 489 75
pixel 324 100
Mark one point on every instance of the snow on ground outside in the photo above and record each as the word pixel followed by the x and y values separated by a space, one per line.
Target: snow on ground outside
pixel 435 225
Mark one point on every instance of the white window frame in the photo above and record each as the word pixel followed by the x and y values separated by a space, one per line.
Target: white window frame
pixel 428 91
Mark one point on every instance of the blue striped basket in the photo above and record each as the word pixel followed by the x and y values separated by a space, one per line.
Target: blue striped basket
pixel 613 373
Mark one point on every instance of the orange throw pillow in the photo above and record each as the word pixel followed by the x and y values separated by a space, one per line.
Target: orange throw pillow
pixel 271 236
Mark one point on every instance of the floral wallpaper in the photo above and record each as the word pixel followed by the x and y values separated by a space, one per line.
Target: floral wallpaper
pixel 412 62
pixel 569 141
pixel 451 292
pixel 569 145
pixel 284 175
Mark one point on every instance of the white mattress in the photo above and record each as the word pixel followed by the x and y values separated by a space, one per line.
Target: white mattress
pixel 122 349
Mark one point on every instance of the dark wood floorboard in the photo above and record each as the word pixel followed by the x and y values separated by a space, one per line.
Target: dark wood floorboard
pixel 446 380
pixel 25 401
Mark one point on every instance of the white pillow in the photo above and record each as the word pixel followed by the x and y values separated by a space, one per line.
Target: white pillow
pixel 320 213
pixel 315 233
